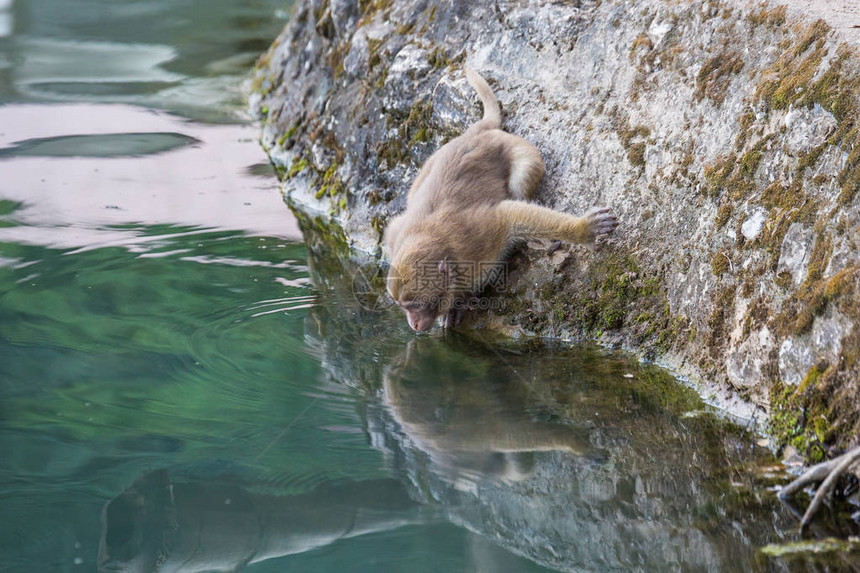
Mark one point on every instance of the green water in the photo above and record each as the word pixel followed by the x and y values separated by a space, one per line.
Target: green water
pixel 188 382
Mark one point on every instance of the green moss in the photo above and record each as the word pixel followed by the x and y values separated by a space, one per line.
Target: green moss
pixel 374 57
pixel 717 175
pixel 628 134
pixel 636 154
pixel 818 258
pixel 813 34
pixel 418 122
pixel 375 197
pixel 414 128
pixel 745 124
pixel 369 8
pixel 287 139
pixel 298 165
pixel 328 182
pixel 559 311
pixel 789 79
pixel 801 417
pixel 757 315
pixel 718 331
pixel 810 380
pixel 787 205
pixel 438 59
pixel 679 329
pixel 687 160
pixel 811 158
pixel 335 58
pixel 720 263
pixel 391 152
pixel 642 43
pixel 714 77
pixel 381 79
pixel 849 177
pixel 377 223
pixel 798 80
pixel 616 296
pixel 827 554
pixel 724 213
pixel 750 162
pixel 784 280
pixel 785 197
pixel 324 25
pixel 406 29
pixel 812 299
pixel 835 89
pixel 321 234
pixel 767 16
pixel 733 177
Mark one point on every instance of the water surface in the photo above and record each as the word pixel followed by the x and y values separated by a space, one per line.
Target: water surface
pixel 189 383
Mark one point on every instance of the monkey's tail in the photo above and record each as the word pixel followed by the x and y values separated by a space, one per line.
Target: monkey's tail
pixel 492 112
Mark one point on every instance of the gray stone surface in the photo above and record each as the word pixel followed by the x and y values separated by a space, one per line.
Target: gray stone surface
pixel 740 216
pixel 798 354
pixel 795 251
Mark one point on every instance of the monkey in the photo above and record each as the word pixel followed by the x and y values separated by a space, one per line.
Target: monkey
pixel 486 430
pixel 468 206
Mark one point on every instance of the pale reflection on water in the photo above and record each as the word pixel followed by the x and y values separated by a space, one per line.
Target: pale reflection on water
pixel 81 202
pixel 72 70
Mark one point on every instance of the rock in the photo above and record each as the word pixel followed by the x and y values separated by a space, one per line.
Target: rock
pixel 794 253
pixel 708 128
pixel 409 64
pixel 798 354
pixel 806 129
pixel 746 364
pixel 752 226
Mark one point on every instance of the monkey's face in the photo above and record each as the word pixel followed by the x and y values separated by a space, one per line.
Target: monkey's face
pixel 420 318
pixel 421 305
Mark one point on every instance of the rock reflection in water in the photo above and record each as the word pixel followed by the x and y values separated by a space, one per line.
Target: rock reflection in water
pixel 158 524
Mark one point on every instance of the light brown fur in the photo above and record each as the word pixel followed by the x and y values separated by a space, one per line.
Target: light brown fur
pixel 467 206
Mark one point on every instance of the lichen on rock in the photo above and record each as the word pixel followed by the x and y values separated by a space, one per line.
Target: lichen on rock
pixel 723 134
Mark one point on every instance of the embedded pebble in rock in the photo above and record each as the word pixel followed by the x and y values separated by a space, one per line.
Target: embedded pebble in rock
pixel 751 228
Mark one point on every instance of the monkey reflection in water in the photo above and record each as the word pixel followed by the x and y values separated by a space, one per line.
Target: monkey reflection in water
pixel 471 421
pixel 466 208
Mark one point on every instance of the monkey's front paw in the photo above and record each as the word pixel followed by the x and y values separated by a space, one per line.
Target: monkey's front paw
pixel 453 318
pixel 601 222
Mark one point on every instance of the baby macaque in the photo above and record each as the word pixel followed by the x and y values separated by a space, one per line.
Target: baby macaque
pixel 465 210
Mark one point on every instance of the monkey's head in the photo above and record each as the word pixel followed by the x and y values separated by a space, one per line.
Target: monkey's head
pixel 419 286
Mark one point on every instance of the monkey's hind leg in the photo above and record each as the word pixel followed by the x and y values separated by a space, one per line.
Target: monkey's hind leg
pixel 526 167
